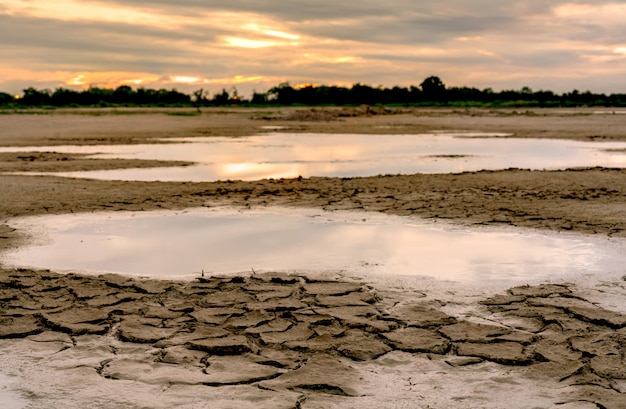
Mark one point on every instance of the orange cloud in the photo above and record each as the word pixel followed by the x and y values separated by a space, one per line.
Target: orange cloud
pixel 77 10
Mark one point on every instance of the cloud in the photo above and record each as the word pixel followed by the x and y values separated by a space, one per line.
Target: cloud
pixel 484 43
pixel 290 10
pixel 98 39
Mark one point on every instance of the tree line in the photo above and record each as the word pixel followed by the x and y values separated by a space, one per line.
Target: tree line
pixel 430 92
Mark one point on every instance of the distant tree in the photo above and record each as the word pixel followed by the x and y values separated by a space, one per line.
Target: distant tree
pixel 434 89
pixel 123 95
pixel 487 95
pixel 415 94
pixel 6 99
pixel 258 98
pixel 546 98
pixel 335 95
pixel 222 98
pixel 398 95
pixel 307 95
pixel 35 97
pixel 64 97
pixel 96 96
pixel 617 100
pixel 199 98
pixel 364 94
pixel 143 96
pixel 464 94
pixel 234 97
pixel 283 94
pixel 171 97
pixel 431 91
pixel 86 98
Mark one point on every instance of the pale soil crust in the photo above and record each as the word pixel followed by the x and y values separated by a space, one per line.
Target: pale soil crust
pixel 292 335
pixel 75 127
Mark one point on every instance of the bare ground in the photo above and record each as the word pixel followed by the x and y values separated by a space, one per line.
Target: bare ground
pixel 299 341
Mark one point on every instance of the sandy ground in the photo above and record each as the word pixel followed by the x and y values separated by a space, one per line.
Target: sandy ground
pixel 309 341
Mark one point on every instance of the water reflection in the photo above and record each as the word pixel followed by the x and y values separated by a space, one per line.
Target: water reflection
pixel 277 155
pixel 168 244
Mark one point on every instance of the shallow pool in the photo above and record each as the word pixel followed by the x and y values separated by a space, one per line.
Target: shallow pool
pixel 278 155
pixel 224 240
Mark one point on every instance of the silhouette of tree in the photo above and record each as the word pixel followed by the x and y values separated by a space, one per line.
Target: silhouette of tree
pixel 64 97
pixel 307 95
pixel 283 94
pixel 258 98
pixel 171 97
pixel 545 98
pixel 35 97
pixel 234 96
pixel 464 94
pixel 6 99
pixel 97 96
pixel 398 95
pixel 335 95
pixel 200 97
pixel 222 98
pixel 433 89
pixel 364 94
pixel 415 94
pixel 123 95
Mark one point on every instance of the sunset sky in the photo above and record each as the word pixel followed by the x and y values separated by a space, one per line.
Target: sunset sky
pixel 256 44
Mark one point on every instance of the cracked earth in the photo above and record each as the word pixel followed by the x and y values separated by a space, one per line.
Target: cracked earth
pixel 296 337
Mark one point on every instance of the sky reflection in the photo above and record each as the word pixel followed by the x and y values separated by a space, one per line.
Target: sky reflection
pixel 277 155
pixel 176 244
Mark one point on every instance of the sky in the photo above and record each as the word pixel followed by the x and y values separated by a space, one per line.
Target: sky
pixel 253 45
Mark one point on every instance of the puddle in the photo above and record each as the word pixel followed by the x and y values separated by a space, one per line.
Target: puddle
pixel 218 240
pixel 286 155
pixel 273 127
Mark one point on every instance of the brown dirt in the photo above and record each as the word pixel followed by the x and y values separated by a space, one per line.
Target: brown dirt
pixel 272 327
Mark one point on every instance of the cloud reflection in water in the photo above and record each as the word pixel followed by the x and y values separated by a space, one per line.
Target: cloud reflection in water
pixel 167 244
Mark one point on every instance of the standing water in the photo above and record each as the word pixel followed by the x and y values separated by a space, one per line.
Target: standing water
pixel 177 244
pixel 284 155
